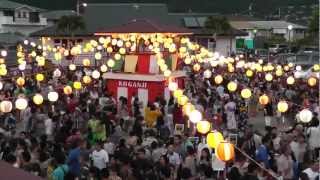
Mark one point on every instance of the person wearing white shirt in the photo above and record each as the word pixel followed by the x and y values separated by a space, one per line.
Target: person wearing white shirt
pixel 313 171
pixel 173 157
pixel 100 158
pixel 48 125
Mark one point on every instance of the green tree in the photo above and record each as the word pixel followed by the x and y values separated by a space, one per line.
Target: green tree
pixel 70 24
pixel 314 24
pixel 217 25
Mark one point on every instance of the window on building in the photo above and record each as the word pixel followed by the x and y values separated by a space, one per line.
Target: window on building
pixel 34 17
pixel 19 14
pixel 24 14
pixel 8 13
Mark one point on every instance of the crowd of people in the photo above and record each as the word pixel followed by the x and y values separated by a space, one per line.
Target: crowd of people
pixel 91 135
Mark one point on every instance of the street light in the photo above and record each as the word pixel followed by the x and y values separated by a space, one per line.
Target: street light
pixel 289 37
pixel 254 38
pixel 80 4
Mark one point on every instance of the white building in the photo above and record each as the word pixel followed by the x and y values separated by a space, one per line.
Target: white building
pixel 268 28
pixel 16 17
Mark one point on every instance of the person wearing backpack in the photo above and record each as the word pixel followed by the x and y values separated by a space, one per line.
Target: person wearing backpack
pixel 61 170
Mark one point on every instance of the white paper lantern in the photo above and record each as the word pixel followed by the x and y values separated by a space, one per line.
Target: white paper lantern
pixel 53 96
pixel 195 116
pixel 103 68
pixel 305 115
pixel 95 74
pixel 5 106
pixel 173 86
pixel 207 73
pixel 72 67
pixel 21 103
pixel 57 73
pixel 1 85
pixel 4 53
pixel 298 68
pixel 22 67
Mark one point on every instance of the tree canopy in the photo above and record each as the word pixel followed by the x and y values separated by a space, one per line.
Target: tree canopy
pixel 70 24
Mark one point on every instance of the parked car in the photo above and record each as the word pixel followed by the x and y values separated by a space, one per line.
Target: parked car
pixel 278 48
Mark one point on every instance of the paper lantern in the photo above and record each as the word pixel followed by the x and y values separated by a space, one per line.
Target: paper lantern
pixel 20 81
pixel 111 63
pixel 188 108
pixel 214 138
pixel 5 106
pixel 177 93
pixel 305 116
pixel 316 67
pixel 1 85
pixel 279 72
pixel 3 71
pixel 86 62
pixel 53 96
pixel 286 68
pixel 22 67
pixel 163 67
pixel 218 79
pixel 67 90
pixel 282 106
pixel 4 53
pixel 97 56
pixel 268 77
pixel 203 127
pixel 182 100
pixel 117 56
pixel 95 74
pixel 232 86
pixel 298 68
pixel 195 116
pixel 196 67
pixel 225 151
pixel 72 67
pixel 246 93
pixel 290 80
pixel 56 73
pixel 312 81
pixel 249 73
pixel 21 103
pixel 103 68
pixel 77 85
pixel 173 86
pixel 207 73
pixel 37 99
pixel 39 77
pixel 264 99
pixel 86 79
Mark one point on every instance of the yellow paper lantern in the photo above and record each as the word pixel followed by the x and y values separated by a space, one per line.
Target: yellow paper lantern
pixel 122 51
pixel 218 79
pixel 86 62
pixel 77 85
pixel 53 96
pixel 3 71
pixel 195 116
pixel 312 81
pixel 249 73
pixel 196 67
pixel 246 93
pixel 109 49
pixel 279 72
pixel 232 86
pixel 39 77
pixel 111 63
pixel 177 93
pixel 117 56
pixel 225 151
pixel 20 81
pixel 282 106
pixel 214 138
pixel 98 56
pixel 86 79
pixel 37 99
pixel 316 67
pixel 203 127
pixel 5 106
pixel 182 100
pixel 21 103
pixel 187 108
pixel 268 77
pixel 286 68
pixel 264 99
pixel 67 90
pixel 290 80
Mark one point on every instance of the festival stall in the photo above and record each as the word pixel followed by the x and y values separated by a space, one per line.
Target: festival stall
pixel 137 72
